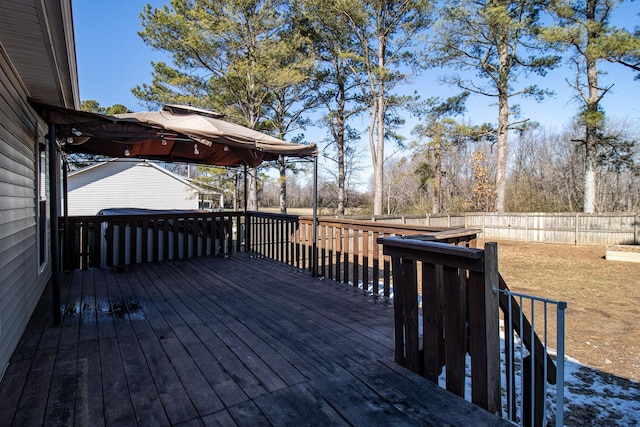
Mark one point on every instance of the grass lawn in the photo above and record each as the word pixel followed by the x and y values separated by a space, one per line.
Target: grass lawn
pixel 603 314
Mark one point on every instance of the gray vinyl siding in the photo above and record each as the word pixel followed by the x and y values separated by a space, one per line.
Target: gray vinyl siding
pixel 22 280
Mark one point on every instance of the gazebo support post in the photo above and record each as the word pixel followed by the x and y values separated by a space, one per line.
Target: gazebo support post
pixel 247 221
pixel 314 226
pixel 65 198
pixel 53 213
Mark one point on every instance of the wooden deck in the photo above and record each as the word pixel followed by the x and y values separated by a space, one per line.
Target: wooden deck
pixel 214 341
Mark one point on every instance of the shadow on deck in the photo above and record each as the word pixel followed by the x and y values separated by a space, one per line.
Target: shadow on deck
pixel 214 341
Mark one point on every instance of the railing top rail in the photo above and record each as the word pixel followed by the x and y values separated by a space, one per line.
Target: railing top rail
pixel 150 216
pixel 390 227
pixel 427 244
pixel 562 305
pixel 434 252
pixel 272 215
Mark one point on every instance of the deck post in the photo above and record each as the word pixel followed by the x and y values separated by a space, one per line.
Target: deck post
pixel 53 213
pixel 484 332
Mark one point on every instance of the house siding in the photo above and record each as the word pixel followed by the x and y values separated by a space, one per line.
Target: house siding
pixel 127 183
pixel 22 279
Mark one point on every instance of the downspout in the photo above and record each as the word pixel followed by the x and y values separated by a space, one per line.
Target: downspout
pixel 53 213
pixel 314 226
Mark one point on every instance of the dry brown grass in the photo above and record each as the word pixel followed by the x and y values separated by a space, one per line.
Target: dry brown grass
pixel 603 315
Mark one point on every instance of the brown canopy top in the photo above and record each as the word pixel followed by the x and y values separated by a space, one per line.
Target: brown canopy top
pixel 174 134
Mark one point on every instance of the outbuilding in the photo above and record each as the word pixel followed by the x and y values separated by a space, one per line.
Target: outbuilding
pixel 129 183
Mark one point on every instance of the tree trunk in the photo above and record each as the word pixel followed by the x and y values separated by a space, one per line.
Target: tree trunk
pixel 589 201
pixel 592 117
pixel 503 129
pixel 283 184
pixel 340 133
pixel 236 191
pixel 378 176
pixel 436 201
pixel 381 113
pixel 376 163
pixel 252 183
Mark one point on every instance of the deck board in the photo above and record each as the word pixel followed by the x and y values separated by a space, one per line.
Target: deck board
pixel 215 341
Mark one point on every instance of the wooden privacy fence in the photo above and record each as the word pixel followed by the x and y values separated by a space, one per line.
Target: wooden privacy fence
pixel 346 250
pixel 570 228
pixel 116 240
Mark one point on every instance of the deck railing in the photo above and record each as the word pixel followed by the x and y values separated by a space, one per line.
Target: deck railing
pixel 447 303
pixel 449 277
pixel 346 250
pixel 117 240
pixel 433 270
pixel 528 401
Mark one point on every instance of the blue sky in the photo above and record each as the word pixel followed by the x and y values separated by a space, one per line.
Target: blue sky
pixel 112 59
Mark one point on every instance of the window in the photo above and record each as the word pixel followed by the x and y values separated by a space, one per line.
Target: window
pixel 42 213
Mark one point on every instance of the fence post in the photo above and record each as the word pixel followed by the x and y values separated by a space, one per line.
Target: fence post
pixel 577 229
pixel 636 230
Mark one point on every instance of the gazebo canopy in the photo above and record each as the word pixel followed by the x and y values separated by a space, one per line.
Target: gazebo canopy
pixel 173 134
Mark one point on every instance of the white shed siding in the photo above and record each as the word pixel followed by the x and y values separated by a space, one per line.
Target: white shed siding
pixel 21 279
pixel 127 183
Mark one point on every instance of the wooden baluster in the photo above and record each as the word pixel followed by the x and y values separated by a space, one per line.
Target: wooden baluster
pixel 398 316
pixel 155 242
pixel 85 250
pixel 356 257
pixel 322 250
pixel 144 224
pixel 455 330
pixel 339 274
pixel 165 238
pixel 120 249
pixel 297 232
pixel 206 233
pixel 304 243
pixel 133 241
pixel 176 237
pixel 345 254
pixel 330 230
pixel 365 260
pixel 96 256
pixel 387 274
pixel 433 322
pixel 376 263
